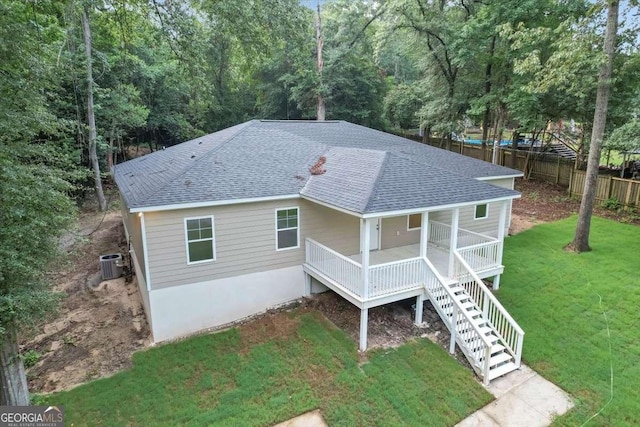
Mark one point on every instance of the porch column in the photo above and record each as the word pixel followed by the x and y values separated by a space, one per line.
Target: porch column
pixel 419 304
pixel 307 284
pixel 453 242
pixel 364 317
pixel 424 234
pixel 501 225
pixel 365 244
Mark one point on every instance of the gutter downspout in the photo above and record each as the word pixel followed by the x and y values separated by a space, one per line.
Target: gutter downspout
pixel 145 251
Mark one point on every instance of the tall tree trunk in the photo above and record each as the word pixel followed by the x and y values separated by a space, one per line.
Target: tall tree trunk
pixel 486 117
pixel 321 112
pixel 514 147
pixel 14 390
pixel 580 241
pixel 93 155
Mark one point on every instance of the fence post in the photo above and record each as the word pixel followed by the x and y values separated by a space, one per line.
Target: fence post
pixel 558 171
pixel 627 198
pixel 610 187
pixel 571 182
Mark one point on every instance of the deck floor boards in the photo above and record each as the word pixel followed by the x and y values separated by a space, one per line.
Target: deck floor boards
pixel 438 256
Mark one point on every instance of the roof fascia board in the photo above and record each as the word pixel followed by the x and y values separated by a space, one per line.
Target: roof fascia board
pixel 436 208
pixel 491 178
pixel 213 203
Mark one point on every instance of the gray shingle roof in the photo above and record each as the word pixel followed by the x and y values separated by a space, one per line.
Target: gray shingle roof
pixel 367 171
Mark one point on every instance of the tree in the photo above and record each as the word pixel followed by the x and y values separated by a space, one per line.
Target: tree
pixel 91 119
pixel 34 171
pixel 580 241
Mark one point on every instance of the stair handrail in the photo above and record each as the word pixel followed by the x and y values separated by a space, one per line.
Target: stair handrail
pixel 516 352
pixel 466 315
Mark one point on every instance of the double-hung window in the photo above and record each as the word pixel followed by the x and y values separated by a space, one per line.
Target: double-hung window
pixel 200 239
pixel 287 228
pixel 482 211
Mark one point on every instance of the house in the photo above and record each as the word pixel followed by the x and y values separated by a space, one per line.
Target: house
pixel 265 212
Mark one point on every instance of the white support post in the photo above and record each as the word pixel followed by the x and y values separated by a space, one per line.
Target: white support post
pixel 419 304
pixel 501 226
pixel 424 234
pixel 307 284
pixel 365 244
pixel 453 243
pixel 454 330
pixel 364 316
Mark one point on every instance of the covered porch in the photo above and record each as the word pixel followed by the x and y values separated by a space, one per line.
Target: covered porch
pixel 381 276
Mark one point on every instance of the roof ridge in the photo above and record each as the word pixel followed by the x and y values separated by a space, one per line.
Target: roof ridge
pixel 241 128
pixel 375 186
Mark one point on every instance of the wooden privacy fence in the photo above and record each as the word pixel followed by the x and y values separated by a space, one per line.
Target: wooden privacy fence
pixel 552 168
pixel 542 166
pixel 624 191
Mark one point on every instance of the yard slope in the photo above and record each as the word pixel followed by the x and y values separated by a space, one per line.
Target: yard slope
pixel 568 303
pixel 275 368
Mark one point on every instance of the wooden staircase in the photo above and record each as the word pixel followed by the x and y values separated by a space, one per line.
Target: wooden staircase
pixel 500 362
pixel 485 333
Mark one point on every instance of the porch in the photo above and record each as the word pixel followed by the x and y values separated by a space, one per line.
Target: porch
pixel 398 273
pixel 447 267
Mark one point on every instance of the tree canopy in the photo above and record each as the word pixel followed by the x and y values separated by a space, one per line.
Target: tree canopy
pixel 166 72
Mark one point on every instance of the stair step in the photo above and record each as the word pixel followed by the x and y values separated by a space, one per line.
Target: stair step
pixel 468 304
pixel 502 370
pixel 497 348
pixel 473 313
pixel 500 358
pixel 476 344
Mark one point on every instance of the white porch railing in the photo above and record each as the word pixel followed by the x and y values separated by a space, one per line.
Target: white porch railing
pixel 339 268
pixel 440 235
pixel 482 256
pixel 493 312
pixel 463 328
pixel 481 252
pixel 395 276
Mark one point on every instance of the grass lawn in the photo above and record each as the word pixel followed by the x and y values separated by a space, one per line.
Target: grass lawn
pixel 239 377
pixel 555 296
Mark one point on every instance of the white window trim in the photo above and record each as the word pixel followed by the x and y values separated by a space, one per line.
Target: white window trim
pixel 275 224
pixel 415 228
pixel 213 239
pixel 475 211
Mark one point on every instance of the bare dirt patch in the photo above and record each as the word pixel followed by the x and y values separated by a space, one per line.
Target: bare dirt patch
pixel 99 324
pixel 546 202
pixel 390 325
pixel 272 325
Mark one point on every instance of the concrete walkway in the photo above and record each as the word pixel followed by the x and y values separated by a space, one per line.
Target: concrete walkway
pixel 310 419
pixel 523 398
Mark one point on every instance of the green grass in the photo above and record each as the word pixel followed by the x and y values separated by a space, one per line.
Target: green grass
pixel 555 296
pixel 226 380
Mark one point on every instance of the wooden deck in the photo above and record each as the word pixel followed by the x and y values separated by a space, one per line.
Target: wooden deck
pixel 439 257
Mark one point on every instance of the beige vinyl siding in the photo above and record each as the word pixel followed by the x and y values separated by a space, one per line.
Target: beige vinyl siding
pixel 501 182
pixel 504 183
pixel 134 230
pixel 466 220
pixel 337 230
pixel 395 233
pixel 489 225
pixel 245 240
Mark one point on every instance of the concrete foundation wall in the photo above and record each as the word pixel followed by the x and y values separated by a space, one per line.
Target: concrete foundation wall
pixel 181 310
